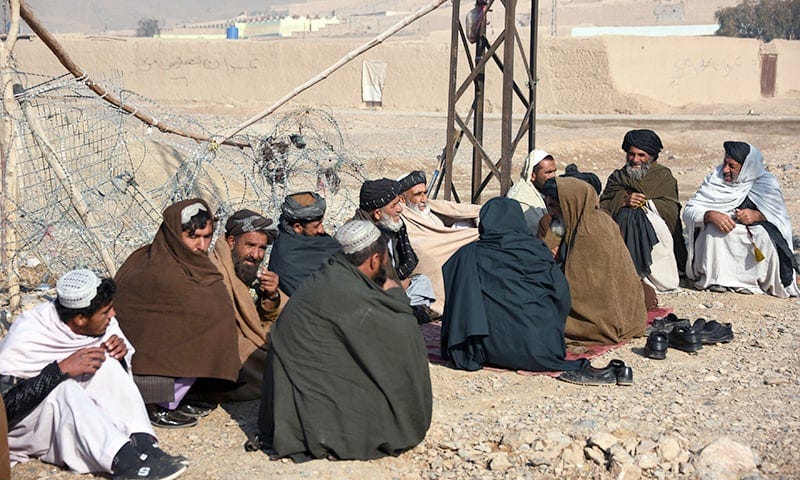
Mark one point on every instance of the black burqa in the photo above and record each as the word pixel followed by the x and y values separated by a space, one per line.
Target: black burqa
pixel 294 257
pixel 347 371
pixel 507 300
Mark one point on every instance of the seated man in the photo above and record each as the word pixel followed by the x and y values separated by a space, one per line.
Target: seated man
pixel 436 229
pixel 608 304
pixel 642 197
pixel 303 245
pixel 238 255
pixel 69 396
pixel 539 166
pixel 380 203
pixel 498 313
pixel 739 235
pixel 174 306
pixel 347 372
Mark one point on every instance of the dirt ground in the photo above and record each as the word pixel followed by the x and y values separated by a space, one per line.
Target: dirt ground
pixel 746 390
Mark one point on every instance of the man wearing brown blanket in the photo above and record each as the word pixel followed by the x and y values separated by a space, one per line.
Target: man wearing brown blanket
pixel 607 300
pixel 173 305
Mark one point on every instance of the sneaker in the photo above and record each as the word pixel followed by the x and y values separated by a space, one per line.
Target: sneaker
pixel 163 418
pixel 150 468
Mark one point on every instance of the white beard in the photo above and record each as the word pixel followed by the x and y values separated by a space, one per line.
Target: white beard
pixel 637 173
pixel 557 227
pixel 391 225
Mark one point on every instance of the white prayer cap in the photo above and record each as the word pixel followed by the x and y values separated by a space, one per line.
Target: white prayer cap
pixel 356 235
pixel 533 159
pixel 77 288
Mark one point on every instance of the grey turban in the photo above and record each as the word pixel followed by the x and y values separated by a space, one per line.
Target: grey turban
pixel 303 206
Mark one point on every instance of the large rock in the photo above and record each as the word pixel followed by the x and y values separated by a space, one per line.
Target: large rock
pixel 499 462
pixel 603 440
pixel 725 459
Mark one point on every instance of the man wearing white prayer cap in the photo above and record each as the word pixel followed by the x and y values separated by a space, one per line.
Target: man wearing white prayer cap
pixel 66 382
pixel 539 166
pixel 346 351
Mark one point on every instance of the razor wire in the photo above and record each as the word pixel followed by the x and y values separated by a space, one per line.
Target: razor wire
pixel 74 150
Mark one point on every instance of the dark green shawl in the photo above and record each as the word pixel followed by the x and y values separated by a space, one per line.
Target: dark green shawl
pixel 347 371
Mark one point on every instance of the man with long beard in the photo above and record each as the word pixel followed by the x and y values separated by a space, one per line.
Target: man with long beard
pixel 642 197
pixel 238 256
pixel 347 373
pixel 436 229
pixel 739 232
pixel 380 203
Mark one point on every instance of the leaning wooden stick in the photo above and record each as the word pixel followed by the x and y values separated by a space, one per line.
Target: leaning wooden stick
pixel 336 66
pixel 82 75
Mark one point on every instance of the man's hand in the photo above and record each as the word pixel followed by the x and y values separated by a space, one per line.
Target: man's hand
pixel 747 216
pixel 634 200
pixel 268 282
pixel 723 222
pixel 115 347
pixel 85 360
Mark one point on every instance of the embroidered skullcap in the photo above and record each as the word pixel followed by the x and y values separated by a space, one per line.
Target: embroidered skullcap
pixel 377 193
pixel 412 179
pixel 737 150
pixel 644 139
pixel 245 221
pixel 190 211
pixel 588 177
pixel 356 235
pixel 305 206
pixel 77 288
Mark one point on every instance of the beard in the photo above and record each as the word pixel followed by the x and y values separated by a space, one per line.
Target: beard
pixel 424 209
pixel 381 275
pixel 389 224
pixel 637 173
pixel 557 227
pixel 247 273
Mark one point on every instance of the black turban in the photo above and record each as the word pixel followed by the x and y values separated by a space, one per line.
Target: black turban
pixel 412 179
pixel 737 150
pixel 646 140
pixel 377 193
pixel 303 206
pixel 588 177
pixel 245 221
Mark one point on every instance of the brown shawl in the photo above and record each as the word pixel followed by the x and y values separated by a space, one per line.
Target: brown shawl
pixel 435 244
pixel 607 298
pixel 173 306
pixel 252 322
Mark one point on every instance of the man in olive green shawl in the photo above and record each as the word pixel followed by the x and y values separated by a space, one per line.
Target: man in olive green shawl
pixel 256 298
pixel 607 299
pixel 347 370
pixel 642 196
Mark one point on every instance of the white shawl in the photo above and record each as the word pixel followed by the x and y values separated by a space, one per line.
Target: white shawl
pixel 39 337
pixel 716 194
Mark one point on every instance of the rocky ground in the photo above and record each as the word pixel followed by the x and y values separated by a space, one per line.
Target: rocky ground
pixel 728 411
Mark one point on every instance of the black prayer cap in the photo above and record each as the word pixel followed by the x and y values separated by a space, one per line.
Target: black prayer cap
pixel 644 139
pixel 245 221
pixel 412 179
pixel 737 150
pixel 588 177
pixel 375 194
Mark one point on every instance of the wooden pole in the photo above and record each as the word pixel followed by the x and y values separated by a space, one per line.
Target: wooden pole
pixel 451 139
pixel 508 91
pixel 8 157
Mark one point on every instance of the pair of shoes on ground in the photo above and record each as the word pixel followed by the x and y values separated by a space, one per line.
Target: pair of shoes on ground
pixel 615 373
pixel 721 289
pixel 154 465
pixel 686 337
pixel 184 416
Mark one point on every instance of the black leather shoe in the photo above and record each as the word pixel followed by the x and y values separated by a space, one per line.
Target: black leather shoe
pixel 686 339
pixel 163 418
pixel 713 332
pixel 195 409
pixel 422 313
pixel 623 372
pixel 588 375
pixel 656 346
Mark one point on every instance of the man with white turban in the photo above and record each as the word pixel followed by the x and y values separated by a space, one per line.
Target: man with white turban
pixel 739 235
pixel 539 166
